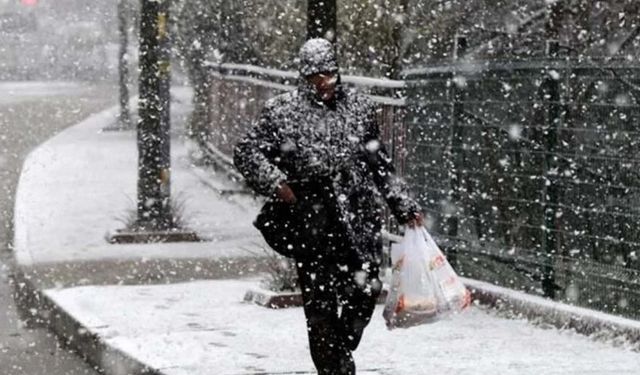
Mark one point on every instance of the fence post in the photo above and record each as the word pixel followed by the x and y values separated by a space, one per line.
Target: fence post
pixel 551 94
pixel 456 92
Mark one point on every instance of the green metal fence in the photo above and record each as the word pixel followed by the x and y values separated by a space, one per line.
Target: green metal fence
pixel 530 173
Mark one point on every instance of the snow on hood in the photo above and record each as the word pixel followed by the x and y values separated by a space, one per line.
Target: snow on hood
pixel 317 56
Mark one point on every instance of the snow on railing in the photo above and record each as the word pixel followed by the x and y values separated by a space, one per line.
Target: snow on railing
pixel 291 74
pixel 373 82
pixel 230 72
pixel 274 73
pixel 254 81
pixel 471 66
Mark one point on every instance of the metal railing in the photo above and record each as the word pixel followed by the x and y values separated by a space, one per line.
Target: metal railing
pixel 239 91
pixel 527 171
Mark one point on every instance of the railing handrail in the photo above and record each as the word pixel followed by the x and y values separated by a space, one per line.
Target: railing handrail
pixel 461 67
pixel 270 72
pixel 291 74
pixel 283 80
pixel 483 66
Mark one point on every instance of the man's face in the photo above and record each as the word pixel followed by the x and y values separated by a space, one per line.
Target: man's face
pixel 325 84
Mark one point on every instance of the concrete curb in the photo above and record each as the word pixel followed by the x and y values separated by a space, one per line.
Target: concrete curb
pixel 89 345
pixel 595 324
pixel 141 272
pixel 38 308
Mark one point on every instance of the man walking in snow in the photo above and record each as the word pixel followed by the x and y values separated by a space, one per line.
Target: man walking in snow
pixel 316 153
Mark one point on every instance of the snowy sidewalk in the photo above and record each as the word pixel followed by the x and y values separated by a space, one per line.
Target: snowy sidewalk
pixel 76 186
pixel 81 184
pixel 203 328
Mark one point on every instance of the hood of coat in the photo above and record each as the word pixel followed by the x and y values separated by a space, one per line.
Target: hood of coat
pixel 317 56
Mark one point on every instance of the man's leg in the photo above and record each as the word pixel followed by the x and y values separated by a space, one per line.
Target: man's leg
pixel 359 286
pixel 359 291
pixel 329 352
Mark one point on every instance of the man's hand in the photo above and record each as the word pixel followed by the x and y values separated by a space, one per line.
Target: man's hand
pixel 416 221
pixel 285 193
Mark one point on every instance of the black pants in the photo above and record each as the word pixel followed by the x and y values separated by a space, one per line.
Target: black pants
pixel 339 300
pixel 339 286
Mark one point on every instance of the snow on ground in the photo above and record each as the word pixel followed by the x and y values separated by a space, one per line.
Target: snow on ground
pixel 204 327
pixel 13 92
pixel 81 184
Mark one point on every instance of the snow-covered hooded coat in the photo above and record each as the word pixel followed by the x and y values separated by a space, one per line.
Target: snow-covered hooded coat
pixel 331 155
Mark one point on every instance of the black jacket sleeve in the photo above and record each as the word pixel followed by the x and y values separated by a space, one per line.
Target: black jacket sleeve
pixel 254 156
pixel 393 188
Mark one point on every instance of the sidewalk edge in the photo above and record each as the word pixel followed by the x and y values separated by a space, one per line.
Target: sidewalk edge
pixel 22 255
pixel 86 343
pixel 594 324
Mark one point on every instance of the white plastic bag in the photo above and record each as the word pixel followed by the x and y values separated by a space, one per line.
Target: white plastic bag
pixel 424 287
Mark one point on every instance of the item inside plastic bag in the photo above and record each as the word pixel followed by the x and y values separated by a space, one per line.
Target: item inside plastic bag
pixel 424 287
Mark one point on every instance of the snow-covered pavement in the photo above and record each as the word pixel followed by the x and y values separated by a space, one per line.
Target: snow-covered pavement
pixel 31 113
pixel 203 327
pixel 81 184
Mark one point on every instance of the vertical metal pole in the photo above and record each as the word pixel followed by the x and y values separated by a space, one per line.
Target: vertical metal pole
pixel 456 93
pixel 550 190
pixel 551 94
pixel 154 211
pixel 322 19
